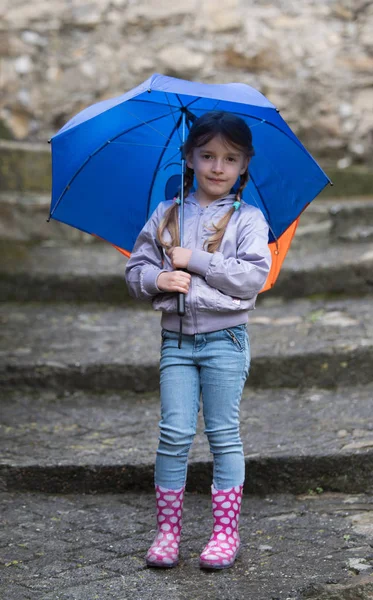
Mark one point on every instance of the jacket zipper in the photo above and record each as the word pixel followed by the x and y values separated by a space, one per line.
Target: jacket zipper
pixel 192 299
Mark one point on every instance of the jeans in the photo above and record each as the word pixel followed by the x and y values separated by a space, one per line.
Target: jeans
pixel 214 365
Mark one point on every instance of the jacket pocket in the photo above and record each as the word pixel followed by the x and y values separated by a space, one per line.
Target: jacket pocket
pixel 165 302
pixel 211 299
pixel 206 297
pixel 230 303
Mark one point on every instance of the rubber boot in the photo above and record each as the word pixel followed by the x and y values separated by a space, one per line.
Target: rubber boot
pixel 164 551
pixel 224 543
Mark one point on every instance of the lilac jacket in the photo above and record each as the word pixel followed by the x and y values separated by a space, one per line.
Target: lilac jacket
pixel 224 285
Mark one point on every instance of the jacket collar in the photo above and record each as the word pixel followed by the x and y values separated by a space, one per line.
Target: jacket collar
pixel 227 200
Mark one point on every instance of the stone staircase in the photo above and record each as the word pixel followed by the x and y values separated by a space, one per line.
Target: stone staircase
pixel 80 406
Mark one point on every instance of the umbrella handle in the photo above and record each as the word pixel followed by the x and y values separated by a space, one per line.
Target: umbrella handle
pixel 181 300
pixel 181 304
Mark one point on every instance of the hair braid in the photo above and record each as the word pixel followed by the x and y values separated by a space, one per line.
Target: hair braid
pixel 170 221
pixel 188 181
pixel 214 241
pixel 244 180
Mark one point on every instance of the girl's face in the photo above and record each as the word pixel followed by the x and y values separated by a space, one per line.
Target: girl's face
pixel 216 165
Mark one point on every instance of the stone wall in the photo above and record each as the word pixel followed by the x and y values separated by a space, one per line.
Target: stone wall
pixel 312 58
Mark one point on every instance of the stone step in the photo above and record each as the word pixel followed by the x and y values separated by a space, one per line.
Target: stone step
pixel 294 441
pixel 336 220
pixel 54 271
pixel 23 218
pixel 96 347
pixel 26 167
pixel 352 221
pixel 314 547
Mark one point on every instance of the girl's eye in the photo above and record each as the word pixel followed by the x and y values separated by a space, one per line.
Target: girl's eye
pixel 206 155
pixel 231 159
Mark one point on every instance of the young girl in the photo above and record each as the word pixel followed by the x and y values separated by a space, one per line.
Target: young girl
pixel 221 269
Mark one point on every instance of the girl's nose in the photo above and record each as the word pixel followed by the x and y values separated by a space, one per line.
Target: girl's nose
pixel 217 166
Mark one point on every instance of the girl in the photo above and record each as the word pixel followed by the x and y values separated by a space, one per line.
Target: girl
pixel 221 269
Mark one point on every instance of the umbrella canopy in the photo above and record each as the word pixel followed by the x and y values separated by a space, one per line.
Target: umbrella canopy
pixel 116 160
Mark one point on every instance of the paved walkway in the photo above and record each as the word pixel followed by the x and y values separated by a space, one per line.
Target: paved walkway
pixel 92 548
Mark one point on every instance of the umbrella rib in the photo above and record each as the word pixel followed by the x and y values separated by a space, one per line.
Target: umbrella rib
pixel 256 124
pixel 173 116
pixel 156 170
pixel 132 129
pixel 260 119
pixel 145 123
pixel 144 145
pixel 216 105
pixel 181 104
pixel 139 101
pixel 235 112
pixel 169 159
pixel 192 102
pixel 264 205
pixel 297 142
pixel 93 154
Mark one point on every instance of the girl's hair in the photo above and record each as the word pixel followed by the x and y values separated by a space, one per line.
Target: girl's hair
pixel 234 131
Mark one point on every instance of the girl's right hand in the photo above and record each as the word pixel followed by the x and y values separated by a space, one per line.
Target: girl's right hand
pixel 174 281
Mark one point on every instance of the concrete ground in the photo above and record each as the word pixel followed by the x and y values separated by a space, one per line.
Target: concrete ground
pixel 77 547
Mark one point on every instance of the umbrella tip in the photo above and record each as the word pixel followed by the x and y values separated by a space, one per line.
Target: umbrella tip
pixel 277 109
pixel 49 141
pixel 331 183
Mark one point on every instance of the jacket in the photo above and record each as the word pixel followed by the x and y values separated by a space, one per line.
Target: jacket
pixel 224 284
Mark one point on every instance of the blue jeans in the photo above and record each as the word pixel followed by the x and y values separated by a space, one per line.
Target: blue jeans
pixel 215 365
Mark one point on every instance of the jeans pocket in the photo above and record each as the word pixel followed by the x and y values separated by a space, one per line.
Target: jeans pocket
pixel 237 337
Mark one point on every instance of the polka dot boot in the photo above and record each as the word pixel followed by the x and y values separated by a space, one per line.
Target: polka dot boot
pixel 164 551
pixel 222 549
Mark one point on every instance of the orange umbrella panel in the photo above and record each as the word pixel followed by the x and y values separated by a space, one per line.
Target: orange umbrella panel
pixel 279 249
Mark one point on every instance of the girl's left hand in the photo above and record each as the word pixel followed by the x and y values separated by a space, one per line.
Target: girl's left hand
pixel 179 257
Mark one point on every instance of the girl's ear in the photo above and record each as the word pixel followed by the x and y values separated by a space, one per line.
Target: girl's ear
pixel 189 160
pixel 245 165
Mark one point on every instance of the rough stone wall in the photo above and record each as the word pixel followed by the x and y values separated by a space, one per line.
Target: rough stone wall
pixel 312 58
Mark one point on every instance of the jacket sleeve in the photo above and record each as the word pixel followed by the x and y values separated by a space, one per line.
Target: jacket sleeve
pixel 242 276
pixel 146 261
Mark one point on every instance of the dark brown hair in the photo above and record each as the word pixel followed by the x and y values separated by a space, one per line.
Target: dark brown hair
pixel 234 131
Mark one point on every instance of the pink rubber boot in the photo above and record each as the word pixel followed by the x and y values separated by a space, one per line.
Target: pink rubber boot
pixel 222 549
pixel 164 551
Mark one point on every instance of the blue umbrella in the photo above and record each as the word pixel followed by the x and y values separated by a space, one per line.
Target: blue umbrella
pixel 116 160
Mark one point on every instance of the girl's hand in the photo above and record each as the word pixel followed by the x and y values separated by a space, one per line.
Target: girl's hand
pixel 174 281
pixel 179 257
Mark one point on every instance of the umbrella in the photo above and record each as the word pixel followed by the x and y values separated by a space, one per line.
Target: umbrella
pixel 116 160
